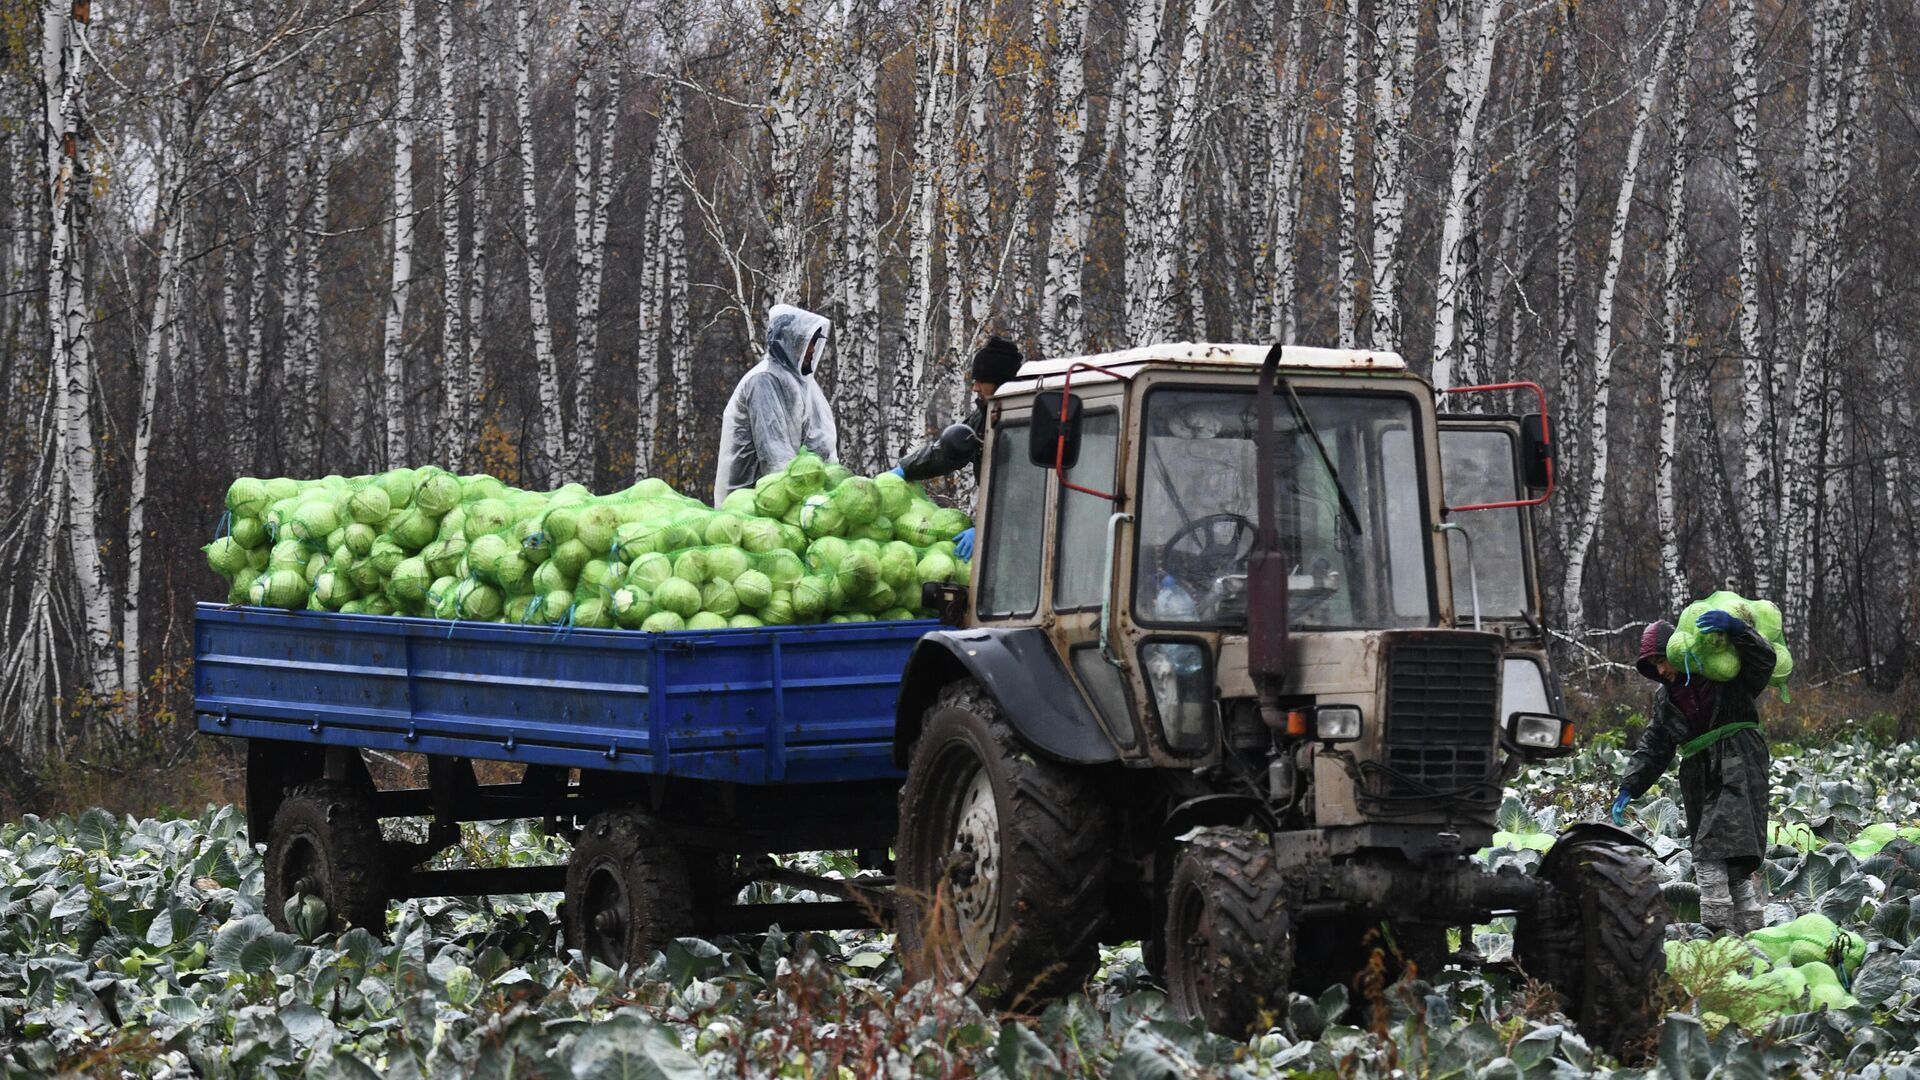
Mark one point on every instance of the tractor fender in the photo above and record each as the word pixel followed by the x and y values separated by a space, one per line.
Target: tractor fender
pixel 1022 671
pixel 1587 832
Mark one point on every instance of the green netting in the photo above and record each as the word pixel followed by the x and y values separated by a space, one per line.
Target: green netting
pixel 1711 655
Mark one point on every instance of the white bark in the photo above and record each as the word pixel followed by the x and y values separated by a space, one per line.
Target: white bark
pixel 967 305
pixel 789 115
pixel 1468 32
pixel 394 350
pixel 456 394
pixel 663 271
pixel 553 416
pixel 1755 428
pixel 1566 260
pixel 1172 162
pixel 933 91
pixel 1062 319
pixel 70 323
pixel 1286 180
pixel 1144 90
pixel 154 360
pixel 1587 524
pixel 1675 347
pixel 860 386
pixel 1349 180
pixel 592 195
pixel 477 281
pixel 1833 103
pixel 310 401
pixel 1396 36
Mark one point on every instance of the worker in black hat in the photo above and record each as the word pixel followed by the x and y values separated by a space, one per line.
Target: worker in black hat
pixel 996 362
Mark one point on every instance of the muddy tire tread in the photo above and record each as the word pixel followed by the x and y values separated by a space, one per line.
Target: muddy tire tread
pixel 341 817
pixel 1056 826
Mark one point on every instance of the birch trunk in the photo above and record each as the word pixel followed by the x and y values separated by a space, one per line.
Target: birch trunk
pixel 968 304
pixel 70 323
pixel 1062 321
pixel 933 75
pixel 311 402
pixel 1287 178
pixel 1835 93
pixel 1396 34
pixel 456 394
pixel 1673 352
pixel 1468 31
pixel 1174 159
pixel 788 115
pixel 1143 92
pixel 553 417
pixel 1588 522
pixel 592 193
pixel 1755 430
pixel 476 276
pixel 1349 181
pixel 861 389
pixel 1566 257
pixel 156 356
pixel 394 349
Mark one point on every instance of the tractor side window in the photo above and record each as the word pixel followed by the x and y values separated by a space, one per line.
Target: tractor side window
pixel 1080 581
pixel 1015 530
pixel 1478 468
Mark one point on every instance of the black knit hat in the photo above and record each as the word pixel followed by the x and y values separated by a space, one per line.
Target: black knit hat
pixel 998 361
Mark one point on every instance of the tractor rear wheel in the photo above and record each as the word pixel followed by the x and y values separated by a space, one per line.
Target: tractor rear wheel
pixel 628 893
pixel 1229 937
pixel 325 842
pixel 1599 940
pixel 1003 857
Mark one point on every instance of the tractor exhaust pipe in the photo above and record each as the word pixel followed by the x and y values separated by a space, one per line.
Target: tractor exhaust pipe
pixel 1267 564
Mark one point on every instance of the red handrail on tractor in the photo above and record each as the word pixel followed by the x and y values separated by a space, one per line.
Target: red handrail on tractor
pixel 1546 436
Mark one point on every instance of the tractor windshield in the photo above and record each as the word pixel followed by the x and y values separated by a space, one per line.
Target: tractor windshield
pixel 1363 569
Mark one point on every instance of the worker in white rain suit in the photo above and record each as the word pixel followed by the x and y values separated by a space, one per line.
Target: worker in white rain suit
pixel 777 409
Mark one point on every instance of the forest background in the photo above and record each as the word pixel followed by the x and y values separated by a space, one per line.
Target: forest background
pixel 299 237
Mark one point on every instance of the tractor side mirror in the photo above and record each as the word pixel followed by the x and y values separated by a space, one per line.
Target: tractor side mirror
pixel 1046 446
pixel 1536 453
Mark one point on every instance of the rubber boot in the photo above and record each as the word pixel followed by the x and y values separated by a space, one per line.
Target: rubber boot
pixel 1716 895
pixel 1749 913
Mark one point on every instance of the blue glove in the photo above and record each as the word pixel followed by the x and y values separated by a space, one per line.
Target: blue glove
pixel 899 472
pixel 1620 807
pixel 963 544
pixel 1719 622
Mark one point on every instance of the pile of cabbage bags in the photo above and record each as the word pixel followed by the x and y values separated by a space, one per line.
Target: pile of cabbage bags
pixel 1795 967
pixel 809 544
pixel 1711 654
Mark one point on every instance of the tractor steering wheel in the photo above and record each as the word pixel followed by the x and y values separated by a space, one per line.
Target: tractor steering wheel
pixel 1208 548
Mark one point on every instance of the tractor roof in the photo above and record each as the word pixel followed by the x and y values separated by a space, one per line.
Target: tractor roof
pixel 1200 354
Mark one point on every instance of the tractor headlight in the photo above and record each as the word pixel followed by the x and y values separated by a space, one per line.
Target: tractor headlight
pixel 1179 679
pixel 1336 723
pixel 1539 732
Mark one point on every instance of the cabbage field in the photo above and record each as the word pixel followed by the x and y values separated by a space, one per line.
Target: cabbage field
pixel 138 948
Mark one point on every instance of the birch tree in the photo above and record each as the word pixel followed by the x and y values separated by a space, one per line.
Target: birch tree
pixel 397 452
pixel 63 28
pixel 1468 31
pixel 1396 36
pixel 1286 126
pixel 663 263
pixel 1674 347
pixel 1062 319
pixel 592 197
pixel 476 280
pixel 860 391
pixel 935 66
pixel 1143 87
pixel 1172 180
pixel 1755 431
pixel 1349 181
pixel 1598 444
pixel 553 415
pixel 456 393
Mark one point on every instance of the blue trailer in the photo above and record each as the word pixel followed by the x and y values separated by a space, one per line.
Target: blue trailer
pixel 701 750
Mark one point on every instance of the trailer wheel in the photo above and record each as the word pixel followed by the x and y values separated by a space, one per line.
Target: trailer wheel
pixel 325 842
pixel 1003 857
pixel 1229 937
pixel 1599 941
pixel 628 893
